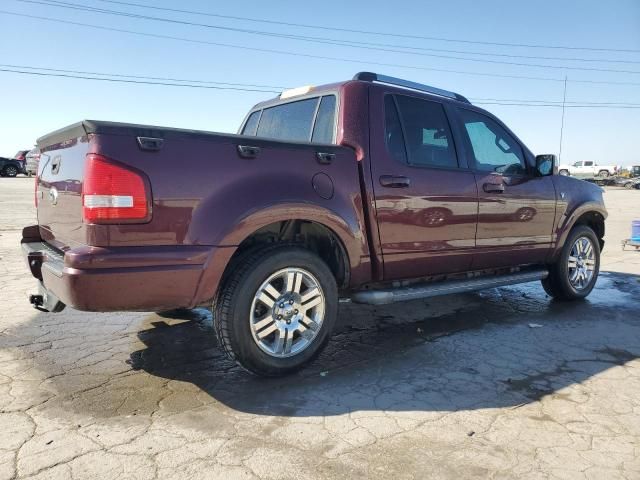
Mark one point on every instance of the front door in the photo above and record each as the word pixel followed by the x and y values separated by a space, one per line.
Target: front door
pixel 516 208
pixel 426 201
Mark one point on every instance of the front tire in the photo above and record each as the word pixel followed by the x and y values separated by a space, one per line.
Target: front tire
pixel 10 171
pixel 276 310
pixel 574 274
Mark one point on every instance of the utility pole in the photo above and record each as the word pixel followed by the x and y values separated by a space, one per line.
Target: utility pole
pixel 564 99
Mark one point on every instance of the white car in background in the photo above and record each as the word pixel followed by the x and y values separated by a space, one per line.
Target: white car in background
pixel 587 169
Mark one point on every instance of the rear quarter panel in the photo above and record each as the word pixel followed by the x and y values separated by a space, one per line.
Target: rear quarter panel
pixel 204 193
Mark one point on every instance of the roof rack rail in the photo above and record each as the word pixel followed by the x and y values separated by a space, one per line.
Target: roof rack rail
pixel 375 77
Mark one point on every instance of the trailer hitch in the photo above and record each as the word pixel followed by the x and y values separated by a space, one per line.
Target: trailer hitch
pixel 45 301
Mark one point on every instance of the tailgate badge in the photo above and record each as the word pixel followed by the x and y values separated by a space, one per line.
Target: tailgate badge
pixel 53 195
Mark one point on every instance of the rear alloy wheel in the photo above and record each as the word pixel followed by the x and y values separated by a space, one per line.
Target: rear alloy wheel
pixel 276 310
pixel 564 173
pixel 603 173
pixel 287 312
pixel 575 272
pixel 10 171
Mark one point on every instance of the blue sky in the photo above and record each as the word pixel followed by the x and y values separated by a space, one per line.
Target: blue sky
pixel 31 106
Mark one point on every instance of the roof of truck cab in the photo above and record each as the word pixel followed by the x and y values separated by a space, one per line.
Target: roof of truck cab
pixel 334 87
pixel 315 92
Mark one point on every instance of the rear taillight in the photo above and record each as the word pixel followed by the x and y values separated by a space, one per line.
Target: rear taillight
pixel 112 193
pixel 35 191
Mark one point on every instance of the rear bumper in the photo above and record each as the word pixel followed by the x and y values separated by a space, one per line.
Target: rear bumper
pixel 121 278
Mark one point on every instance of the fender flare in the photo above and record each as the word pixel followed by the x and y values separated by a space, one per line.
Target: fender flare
pixel 347 231
pixel 567 222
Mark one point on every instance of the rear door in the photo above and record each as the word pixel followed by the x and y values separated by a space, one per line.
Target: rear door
pixel 589 168
pixel 516 208
pixel 425 197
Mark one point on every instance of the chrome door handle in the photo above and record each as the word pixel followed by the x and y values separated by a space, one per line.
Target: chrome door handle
pixel 325 158
pixel 393 181
pixel 248 151
pixel 493 187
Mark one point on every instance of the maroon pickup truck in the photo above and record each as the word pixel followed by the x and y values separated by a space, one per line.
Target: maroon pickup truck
pixel 376 189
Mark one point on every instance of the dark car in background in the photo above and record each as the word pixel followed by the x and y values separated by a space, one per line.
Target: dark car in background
pixel 10 167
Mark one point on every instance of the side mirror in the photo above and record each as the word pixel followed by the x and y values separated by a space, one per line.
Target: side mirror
pixel 546 165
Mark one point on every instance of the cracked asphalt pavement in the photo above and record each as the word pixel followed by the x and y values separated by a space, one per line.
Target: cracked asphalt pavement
pixel 499 384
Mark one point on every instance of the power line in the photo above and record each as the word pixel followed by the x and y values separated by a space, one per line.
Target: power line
pixel 306 55
pixel 370 32
pixel 614 106
pixel 181 80
pixel 321 40
pixel 139 82
pixel 200 81
pixel 30 71
pixel 559 102
pixel 347 42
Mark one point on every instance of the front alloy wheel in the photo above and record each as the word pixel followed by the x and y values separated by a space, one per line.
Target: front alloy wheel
pixel 575 271
pixel 581 263
pixel 11 171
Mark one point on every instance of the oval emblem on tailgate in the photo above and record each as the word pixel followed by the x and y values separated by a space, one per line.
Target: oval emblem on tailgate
pixel 53 195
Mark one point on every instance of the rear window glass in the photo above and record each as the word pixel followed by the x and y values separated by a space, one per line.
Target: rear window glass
pixel 289 121
pixel 323 129
pixel 251 126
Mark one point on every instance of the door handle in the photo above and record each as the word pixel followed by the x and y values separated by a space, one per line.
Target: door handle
pixel 394 181
pixel 248 151
pixel 55 164
pixel 493 187
pixel 325 158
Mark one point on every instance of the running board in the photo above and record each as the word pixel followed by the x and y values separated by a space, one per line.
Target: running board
pixel 400 294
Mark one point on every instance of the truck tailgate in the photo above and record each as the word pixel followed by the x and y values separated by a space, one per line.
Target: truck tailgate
pixel 59 191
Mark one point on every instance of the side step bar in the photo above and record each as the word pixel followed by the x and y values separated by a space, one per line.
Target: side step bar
pixel 392 295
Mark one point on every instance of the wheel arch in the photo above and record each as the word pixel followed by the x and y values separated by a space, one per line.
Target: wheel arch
pixel 307 233
pixel 590 214
pixel 314 227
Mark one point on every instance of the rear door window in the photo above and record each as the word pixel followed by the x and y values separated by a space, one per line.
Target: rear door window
pixel 325 120
pixel 425 128
pixel 251 127
pixel 393 136
pixel 289 121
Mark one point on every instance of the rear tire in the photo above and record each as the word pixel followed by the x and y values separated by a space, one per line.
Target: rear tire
pixel 276 310
pixel 574 274
pixel 564 173
pixel 603 173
